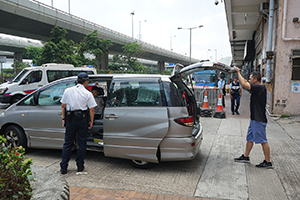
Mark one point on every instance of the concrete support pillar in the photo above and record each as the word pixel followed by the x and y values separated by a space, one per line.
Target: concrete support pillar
pixel 161 66
pixel 104 61
pixel 19 57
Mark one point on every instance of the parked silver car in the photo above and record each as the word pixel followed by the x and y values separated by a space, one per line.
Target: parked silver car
pixel 147 118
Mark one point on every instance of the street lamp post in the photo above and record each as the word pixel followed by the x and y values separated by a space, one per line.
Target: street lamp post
pixel 69 8
pixel 171 42
pixel 216 54
pixel 140 33
pixel 191 39
pixel 132 13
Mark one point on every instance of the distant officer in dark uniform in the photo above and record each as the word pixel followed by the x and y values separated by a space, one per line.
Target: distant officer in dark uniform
pixel 235 92
pixel 78 108
pixel 221 85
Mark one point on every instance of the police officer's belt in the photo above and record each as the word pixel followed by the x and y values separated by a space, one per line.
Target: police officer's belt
pixel 78 114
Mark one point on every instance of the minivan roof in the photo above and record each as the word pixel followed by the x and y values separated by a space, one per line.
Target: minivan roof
pixel 164 77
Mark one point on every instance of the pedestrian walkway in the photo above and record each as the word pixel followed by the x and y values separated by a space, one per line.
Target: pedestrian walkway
pixel 244 108
pixel 222 178
pixel 81 193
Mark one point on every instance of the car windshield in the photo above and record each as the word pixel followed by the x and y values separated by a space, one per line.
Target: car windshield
pixel 204 78
pixel 20 76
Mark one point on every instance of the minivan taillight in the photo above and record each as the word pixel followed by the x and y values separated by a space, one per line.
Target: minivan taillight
pixel 186 121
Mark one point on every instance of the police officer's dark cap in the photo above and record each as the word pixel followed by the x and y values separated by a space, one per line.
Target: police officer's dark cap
pixel 235 77
pixel 82 77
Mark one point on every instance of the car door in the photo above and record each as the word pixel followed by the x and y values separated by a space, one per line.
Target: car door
pixel 135 122
pixel 44 117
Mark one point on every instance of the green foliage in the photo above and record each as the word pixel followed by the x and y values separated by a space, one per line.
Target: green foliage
pixel 128 63
pixel 167 72
pixel 131 51
pixel 34 53
pixel 58 49
pixel 20 65
pixel 92 44
pixel 284 116
pixel 15 173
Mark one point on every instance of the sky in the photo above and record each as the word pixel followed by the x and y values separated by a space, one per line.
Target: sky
pixel 158 22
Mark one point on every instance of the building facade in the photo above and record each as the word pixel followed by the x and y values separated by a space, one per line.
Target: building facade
pixel 273 48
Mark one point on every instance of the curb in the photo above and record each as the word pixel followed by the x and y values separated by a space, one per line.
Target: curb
pixel 48 184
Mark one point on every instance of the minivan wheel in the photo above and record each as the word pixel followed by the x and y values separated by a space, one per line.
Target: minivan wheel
pixel 14 137
pixel 141 164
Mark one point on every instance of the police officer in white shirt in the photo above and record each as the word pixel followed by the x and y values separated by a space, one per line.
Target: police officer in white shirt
pixel 77 104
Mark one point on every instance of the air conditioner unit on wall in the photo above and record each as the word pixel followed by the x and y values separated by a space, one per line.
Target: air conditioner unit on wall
pixel 264 7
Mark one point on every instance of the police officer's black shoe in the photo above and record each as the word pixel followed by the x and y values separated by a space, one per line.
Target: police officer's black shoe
pixel 63 171
pixel 237 112
pixel 232 113
pixel 80 169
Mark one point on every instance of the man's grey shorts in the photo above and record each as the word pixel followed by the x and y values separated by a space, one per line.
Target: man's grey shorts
pixel 257 132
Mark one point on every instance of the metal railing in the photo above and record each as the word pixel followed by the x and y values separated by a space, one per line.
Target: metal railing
pixel 212 95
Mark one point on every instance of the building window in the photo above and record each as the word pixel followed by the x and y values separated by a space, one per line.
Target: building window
pixel 296 65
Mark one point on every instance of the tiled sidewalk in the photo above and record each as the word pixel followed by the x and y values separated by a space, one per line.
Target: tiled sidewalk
pixel 80 193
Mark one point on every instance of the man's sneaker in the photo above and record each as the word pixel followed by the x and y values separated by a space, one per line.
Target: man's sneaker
pixel 242 159
pixel 265 164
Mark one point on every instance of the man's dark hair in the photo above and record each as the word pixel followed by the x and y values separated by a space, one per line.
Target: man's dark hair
pixel 256 75
pixel 98 89
pixel 95 88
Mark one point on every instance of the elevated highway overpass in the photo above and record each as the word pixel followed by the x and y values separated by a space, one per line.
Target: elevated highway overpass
pixel 32 19
pixel 10 45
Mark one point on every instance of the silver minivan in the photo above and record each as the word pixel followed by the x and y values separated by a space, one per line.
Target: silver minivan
pixel 147 118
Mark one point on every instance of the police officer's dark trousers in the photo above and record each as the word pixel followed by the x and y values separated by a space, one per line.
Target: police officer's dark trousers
pixel 72 127
pixel 235 97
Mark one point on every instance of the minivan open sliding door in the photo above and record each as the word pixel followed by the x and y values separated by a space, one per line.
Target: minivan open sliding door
pixel 135 122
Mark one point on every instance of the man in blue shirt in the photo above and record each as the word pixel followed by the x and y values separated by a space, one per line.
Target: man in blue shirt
pixel 221 85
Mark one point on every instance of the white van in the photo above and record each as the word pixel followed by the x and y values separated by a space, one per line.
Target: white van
pixel 31 78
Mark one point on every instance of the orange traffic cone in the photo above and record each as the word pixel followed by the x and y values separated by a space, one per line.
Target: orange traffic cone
pixel 205 110
pixel 205 102
pixel 219 112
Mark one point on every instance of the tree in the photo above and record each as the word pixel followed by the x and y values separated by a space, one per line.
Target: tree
pixel 34 53
pixel 131 51
pixel 58 49
pixel 94 45
pixel 129 61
